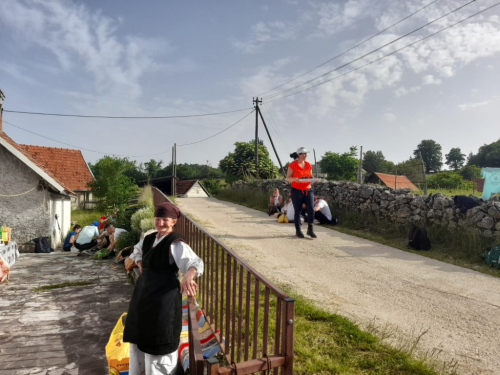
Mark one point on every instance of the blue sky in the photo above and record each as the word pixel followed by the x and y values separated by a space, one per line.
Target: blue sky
pixel 161 58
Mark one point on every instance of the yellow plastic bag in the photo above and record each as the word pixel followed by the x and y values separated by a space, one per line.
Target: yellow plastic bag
pixel 117 351
pixel 283 219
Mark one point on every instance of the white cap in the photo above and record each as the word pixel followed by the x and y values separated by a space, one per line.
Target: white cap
pixel 302 150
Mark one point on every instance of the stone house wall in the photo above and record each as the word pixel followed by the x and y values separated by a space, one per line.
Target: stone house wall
pixel 400 205
pixel 29 215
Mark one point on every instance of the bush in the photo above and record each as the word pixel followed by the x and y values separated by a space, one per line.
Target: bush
pixel 448 180
pixel 127 239
pixel 147 224
pixel 143 213
pixel 213 186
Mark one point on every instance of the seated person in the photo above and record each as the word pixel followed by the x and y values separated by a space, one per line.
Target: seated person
pixel 322 212
pixel 287 210
pixel 275 202
pixel 71 237
pixel 109 237
pixel 86 239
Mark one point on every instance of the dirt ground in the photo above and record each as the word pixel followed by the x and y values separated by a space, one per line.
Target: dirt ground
pixel 454 310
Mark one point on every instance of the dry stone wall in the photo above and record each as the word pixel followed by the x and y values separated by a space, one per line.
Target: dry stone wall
pixel 400 205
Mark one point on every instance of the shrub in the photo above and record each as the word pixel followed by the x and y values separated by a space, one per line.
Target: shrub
pixel 448 180
pixel 143 213
pixel 147 224
pixel 127 239
pixel 213 185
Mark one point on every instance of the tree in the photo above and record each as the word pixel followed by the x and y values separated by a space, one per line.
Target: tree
pixel 487 156
pixel 470 172
pixel 111 186
pixel 240 164
pixel 411 168
pixel 455 159
pixel 431 154
pixel 448 180
pixel 152 168
pixel 340 166
pixel 374 161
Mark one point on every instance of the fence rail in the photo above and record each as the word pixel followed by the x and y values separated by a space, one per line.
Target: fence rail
pixel 252 319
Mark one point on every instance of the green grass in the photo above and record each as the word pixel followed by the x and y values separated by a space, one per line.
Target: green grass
pixel 85 217
pixel 255 199
pixel 63 285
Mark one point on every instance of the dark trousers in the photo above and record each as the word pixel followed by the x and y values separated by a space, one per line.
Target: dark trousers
pixel 318 215
pixel 300 197
pixel 85 246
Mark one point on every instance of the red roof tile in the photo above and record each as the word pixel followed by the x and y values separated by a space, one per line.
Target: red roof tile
pixel 183 186
pixel 67 165
pixel 34 161
pixel 401 182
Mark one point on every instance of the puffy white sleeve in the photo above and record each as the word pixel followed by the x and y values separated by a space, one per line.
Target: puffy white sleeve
pixel 185 258
pixel 136 255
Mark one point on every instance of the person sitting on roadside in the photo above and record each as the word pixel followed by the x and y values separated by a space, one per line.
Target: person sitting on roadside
pixel 71 237
pixel 322 212
pixel 86 239
pixel 275 202
pixel 287 210
pixel 109 237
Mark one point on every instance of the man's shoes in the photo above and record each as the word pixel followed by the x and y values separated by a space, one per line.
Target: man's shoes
pixel 310 232
pixel 79 254
pixel 299 233
pixel 334 221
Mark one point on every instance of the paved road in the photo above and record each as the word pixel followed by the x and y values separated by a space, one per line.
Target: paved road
pixel 62 331
pixel 400 293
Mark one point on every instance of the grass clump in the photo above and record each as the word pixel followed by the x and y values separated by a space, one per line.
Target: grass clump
pixel 85 217
pixel 253 198
pixel 63 285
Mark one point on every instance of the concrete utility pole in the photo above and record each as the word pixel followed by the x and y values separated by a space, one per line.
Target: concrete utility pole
pixel 256 101
pixel 172 182
pixel 271 140
pixel 423 172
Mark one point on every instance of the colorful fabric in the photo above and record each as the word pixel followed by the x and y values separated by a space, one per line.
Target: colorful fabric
pixel 209 344
pixel 299 172
pixel 491 182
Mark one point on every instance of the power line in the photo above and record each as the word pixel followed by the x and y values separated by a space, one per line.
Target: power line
pixel 82 148
pixel 283 142
pixel 241 119
pixel 125 117
pixel 389 54
pixel 367 54
pixel 350 49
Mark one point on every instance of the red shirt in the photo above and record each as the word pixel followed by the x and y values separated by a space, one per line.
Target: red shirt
pixel 299 172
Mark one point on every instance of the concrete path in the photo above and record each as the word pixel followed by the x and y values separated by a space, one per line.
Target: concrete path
pixel 61 331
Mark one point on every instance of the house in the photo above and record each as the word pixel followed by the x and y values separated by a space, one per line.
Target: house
pixel 184 188
pixel 68 166
pixel 33 201
pixel 390 180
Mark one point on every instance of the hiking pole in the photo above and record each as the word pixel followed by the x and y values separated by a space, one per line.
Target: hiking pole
pixel 60 231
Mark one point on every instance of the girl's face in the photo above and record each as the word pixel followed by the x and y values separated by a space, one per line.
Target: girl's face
pixel 276 192
pixel 164 224
pixel 78 230
pixel 302 157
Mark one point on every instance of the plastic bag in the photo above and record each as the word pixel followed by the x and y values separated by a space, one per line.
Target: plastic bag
pixel 283 219
pixel 117 351
pixel 102 254
pixel 4 270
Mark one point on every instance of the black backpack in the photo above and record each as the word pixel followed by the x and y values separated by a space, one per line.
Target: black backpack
pixel 42 245
pixel 418 239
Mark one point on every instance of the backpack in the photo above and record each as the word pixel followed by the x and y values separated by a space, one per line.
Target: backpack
pixel 42 245
pixel 418 239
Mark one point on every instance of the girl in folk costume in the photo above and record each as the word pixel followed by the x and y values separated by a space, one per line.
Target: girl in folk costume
pixel 302 193
pixel 154 320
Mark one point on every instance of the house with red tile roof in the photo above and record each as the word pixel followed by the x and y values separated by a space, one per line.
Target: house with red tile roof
pixel 35 196
pixel 390 180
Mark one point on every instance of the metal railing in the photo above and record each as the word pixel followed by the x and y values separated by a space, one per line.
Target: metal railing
pixel 251 318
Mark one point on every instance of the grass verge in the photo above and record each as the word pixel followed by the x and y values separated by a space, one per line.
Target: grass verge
pixel 63 285
pixel 85 217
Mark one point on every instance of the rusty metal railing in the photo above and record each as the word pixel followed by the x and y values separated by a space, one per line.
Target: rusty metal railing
pixel 252 319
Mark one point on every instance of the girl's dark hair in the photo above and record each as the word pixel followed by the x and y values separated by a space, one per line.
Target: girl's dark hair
pixel 77 227
pixel 294 156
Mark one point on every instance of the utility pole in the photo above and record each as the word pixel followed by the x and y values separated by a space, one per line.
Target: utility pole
pixel 257 101
pixel 315 164
pixel 175 170
pixel 172 183
pixel 423 172
pixel 360 166
pixel 270 139
pixel 396 180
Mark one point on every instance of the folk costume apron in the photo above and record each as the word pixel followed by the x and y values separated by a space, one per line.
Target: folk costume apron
pixel 154 320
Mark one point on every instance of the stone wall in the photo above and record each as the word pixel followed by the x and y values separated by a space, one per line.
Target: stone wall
pixel 28 215
pixel 399 205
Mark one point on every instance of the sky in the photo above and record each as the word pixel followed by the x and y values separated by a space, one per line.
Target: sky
pixel 177 58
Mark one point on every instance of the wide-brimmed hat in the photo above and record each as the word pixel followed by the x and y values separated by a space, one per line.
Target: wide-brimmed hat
pixel 302 150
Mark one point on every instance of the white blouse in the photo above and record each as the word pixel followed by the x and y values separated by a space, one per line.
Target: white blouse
pixel 182 254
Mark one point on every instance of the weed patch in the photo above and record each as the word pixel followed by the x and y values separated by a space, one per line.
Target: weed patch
pixel 63 285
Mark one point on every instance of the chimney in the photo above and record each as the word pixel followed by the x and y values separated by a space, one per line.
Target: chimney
pixel 2 97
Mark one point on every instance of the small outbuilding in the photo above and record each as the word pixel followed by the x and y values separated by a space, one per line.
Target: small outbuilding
pixel 184 188
pixel 390 180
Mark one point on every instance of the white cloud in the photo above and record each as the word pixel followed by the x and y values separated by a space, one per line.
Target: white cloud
pixel 335 17
pixel 262 33
pixel 466 106
pixel 389 117
pixel 430 80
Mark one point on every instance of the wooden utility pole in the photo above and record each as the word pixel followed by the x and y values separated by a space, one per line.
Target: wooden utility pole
pixel 315 164
pixel 175 170
pixel 172 184
pixel 256 101
pixel 396 180
pixel 423 172
pixel 360 166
